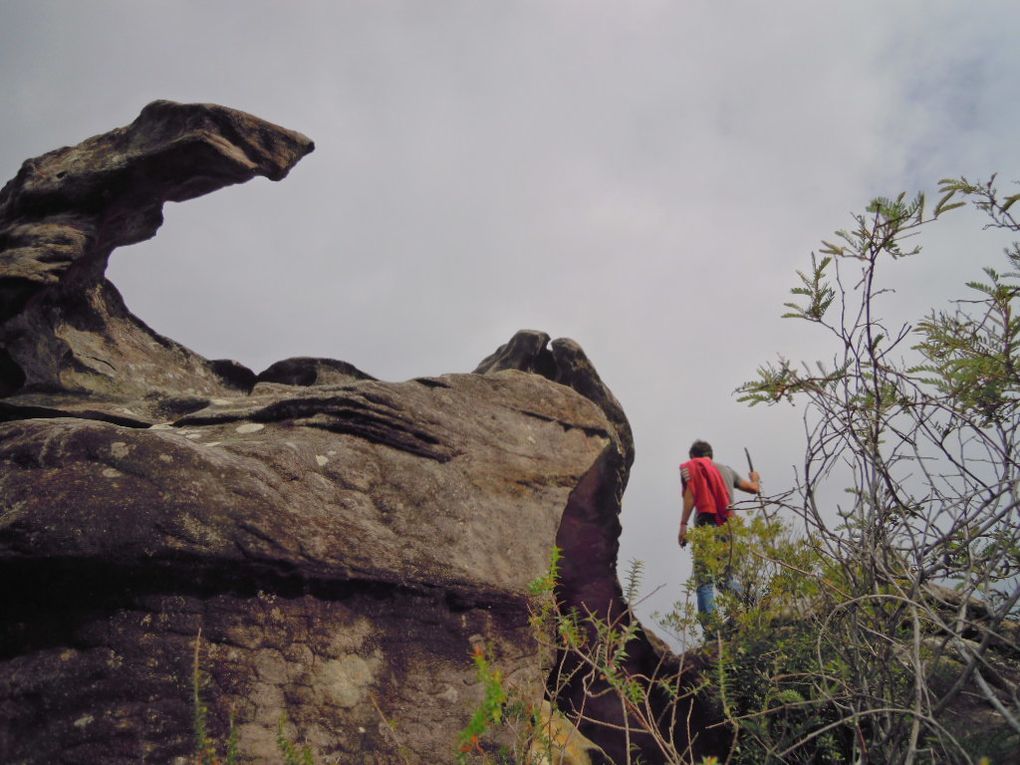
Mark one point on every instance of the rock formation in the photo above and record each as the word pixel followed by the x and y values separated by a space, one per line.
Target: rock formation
pixel 340 543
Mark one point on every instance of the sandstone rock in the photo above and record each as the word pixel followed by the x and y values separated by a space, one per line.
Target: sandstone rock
pixel 565 363
pixel 306 371
pixel 558 742
pixel 339 554
pixel 340 543
pixel 63 326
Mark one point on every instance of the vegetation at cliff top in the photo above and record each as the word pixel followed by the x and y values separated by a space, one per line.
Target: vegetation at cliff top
pixel 883 627
pixel 899 642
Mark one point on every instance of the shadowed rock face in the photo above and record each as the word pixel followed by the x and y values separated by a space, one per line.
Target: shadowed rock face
pixel 340 542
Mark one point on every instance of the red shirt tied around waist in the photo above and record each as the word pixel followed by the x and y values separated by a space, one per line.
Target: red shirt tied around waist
pixel 708 486
pixel 711 495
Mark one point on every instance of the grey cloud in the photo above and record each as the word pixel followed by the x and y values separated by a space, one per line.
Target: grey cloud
pixel 639 177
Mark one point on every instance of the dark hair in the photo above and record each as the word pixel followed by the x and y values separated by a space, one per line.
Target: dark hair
pixel 700 449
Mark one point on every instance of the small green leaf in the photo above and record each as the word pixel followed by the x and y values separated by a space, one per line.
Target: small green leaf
pixel 943 201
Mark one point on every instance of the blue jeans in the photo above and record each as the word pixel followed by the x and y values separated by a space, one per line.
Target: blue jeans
pixel 706 593
pixel 705 582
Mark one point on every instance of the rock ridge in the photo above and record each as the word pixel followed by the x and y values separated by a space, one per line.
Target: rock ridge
pixel 338 541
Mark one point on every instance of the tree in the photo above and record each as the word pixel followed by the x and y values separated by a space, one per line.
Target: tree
pixel 916 577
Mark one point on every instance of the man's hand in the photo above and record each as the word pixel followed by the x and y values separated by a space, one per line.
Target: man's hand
pixel 683 535
pixel 752 484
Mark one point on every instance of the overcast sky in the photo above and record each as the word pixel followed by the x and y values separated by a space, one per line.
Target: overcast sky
pixel 643 177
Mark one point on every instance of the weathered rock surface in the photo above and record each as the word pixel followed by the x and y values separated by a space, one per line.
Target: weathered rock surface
pixel 339 552
pixel 340 542
pixel 563 362
pixel 65 327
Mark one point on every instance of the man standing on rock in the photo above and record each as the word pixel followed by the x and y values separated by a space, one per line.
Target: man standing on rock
pixel 708 488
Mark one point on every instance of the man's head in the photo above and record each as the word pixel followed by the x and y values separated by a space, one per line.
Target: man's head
pixel 700 449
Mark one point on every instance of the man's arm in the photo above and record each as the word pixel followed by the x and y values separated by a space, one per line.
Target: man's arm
pixel 752 485
pixel 688 507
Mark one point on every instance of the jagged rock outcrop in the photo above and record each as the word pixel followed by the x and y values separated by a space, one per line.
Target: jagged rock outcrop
pixel 340 543
pixel 566 363
pixel 64 326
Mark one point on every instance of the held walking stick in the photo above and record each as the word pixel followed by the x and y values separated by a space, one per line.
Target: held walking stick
pixel 750 467
pixel 765 515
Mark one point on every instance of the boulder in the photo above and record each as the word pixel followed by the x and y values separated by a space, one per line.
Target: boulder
pixel 308 547
pixel 340 552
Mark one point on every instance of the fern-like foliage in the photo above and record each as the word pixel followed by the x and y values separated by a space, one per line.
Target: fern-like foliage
pixel 206 749
pixel 634 577
pixel 292 754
